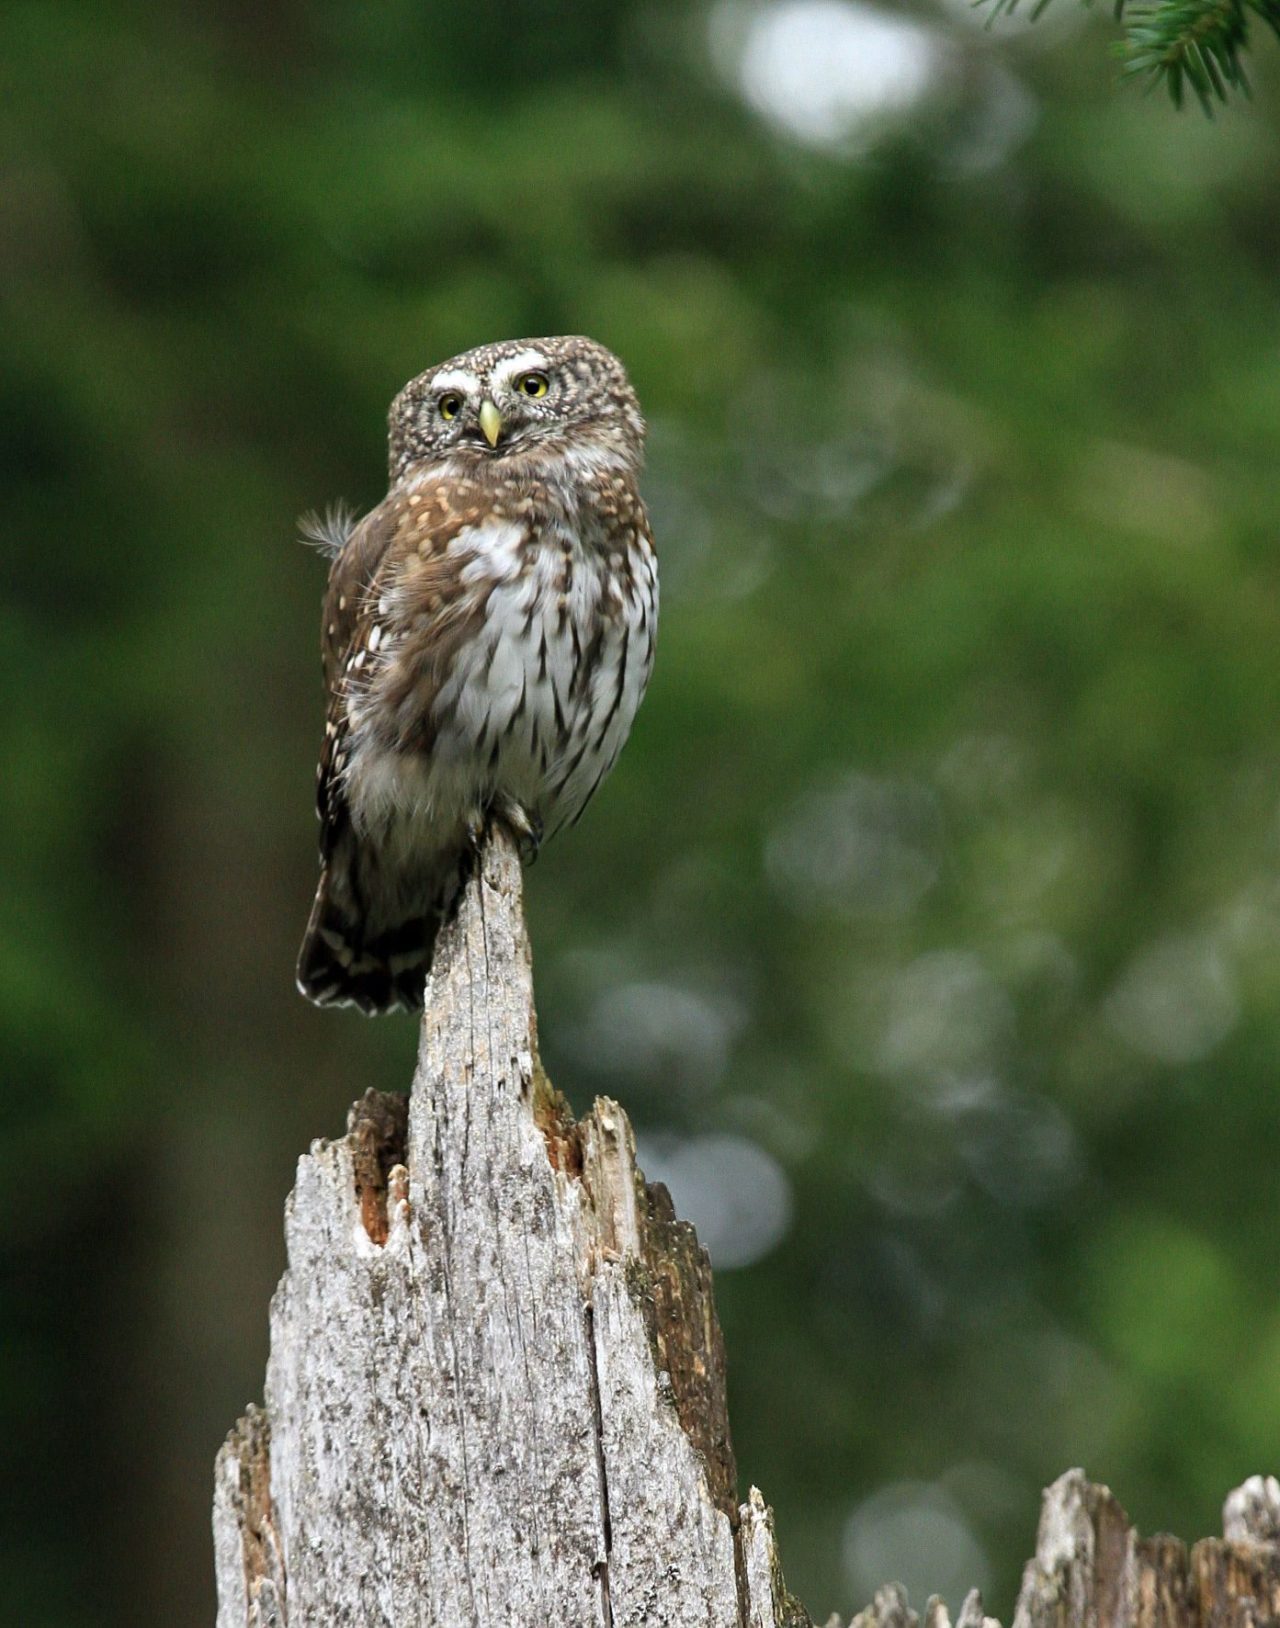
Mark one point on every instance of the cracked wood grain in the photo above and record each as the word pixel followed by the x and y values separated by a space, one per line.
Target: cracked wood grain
pixel 496 1390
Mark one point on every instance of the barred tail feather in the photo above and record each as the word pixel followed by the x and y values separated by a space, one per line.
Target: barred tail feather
pixel 343 963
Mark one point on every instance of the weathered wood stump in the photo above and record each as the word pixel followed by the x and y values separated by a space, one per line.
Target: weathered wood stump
pixel 496 1395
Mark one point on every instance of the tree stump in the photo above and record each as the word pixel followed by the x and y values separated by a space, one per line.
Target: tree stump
pixel 495 1396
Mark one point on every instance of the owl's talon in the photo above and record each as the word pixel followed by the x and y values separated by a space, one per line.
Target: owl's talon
pixel 525 827
pixel 476 828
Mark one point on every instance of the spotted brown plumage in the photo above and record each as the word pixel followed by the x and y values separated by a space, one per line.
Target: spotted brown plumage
pixel 487 636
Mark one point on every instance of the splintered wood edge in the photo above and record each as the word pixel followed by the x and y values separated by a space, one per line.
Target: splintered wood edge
pixel 669 1279
pixel 377 1136
pixel 243 1521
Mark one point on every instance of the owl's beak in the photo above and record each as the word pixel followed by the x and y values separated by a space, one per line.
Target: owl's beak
pixel 490 422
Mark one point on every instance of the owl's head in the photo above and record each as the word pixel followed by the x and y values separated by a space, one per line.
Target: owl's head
pixel 522 399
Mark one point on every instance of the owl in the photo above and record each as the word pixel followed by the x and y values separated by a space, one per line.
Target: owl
pixel 488 634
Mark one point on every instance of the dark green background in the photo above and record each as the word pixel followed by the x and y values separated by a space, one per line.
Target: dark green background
pixel 944 863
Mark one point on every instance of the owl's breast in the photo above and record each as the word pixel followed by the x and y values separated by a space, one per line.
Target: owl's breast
pixel 511 660
pixel 541 702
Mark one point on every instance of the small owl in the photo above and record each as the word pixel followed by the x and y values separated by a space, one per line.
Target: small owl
pixel 488 634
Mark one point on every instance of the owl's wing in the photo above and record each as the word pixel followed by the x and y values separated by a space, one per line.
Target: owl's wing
pixel 352 577
pixel 399 607
pixel 352 574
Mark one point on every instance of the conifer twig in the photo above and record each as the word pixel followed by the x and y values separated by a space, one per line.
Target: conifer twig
pixel 1179 43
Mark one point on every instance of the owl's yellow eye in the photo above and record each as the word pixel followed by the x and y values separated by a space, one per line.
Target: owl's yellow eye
pixel 450 405
pixel 532 384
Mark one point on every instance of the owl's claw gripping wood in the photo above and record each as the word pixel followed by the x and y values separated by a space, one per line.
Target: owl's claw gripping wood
pixel 476 829
pixel 488 634
pixel 525 827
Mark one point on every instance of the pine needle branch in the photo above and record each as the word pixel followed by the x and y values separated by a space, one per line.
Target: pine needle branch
pixel 1181 44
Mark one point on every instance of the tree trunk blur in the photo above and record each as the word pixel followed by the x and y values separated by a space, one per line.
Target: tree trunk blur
pixel 496 1396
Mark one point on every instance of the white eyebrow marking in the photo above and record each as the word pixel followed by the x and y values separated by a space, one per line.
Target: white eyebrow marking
pixel 524 362
pixel 456 378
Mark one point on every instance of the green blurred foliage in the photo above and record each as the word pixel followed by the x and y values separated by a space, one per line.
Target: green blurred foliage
pixel 944 865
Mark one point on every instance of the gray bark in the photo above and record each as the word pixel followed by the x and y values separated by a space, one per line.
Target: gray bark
pixel 495 1395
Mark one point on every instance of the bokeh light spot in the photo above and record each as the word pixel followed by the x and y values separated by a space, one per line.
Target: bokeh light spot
pixel 917 1534
pixel 737 1195
pixel 824 70
pixel 1177 1000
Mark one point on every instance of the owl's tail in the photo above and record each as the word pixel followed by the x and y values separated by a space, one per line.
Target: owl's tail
pixel 372 953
